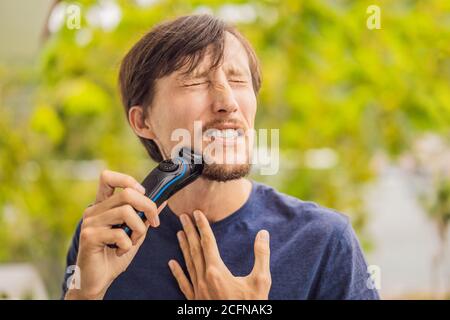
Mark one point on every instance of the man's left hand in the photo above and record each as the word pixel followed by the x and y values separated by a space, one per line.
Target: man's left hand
pixel 209 277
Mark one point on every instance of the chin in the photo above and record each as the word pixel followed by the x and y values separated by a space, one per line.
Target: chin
pixel 225 172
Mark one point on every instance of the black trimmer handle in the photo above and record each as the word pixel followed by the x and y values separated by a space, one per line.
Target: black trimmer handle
pixel 166 179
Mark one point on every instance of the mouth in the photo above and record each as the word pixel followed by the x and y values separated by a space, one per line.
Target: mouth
pixel 227 134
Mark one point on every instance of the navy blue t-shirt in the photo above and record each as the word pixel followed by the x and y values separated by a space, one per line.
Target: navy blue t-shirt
pixel 314 251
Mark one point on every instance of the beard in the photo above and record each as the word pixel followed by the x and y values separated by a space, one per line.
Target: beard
pixel 225 172
pixel 217 168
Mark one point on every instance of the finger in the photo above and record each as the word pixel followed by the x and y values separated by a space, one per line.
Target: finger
pixel 119 215
pixel 162 206
pixel 262 254
pixel 208 241
pixel 184 245
pixel 109 180
pixel 137 200
pixel 195 248
pixel 154 221
pixel 183 282
pixel 158 211
pixel 116 236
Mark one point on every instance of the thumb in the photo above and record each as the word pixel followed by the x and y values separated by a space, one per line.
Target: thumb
pixel 160 209
pixel 262 253
pixel 162 206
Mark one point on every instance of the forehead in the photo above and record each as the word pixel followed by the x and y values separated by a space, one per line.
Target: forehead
pixel 235 59
pixel 234 50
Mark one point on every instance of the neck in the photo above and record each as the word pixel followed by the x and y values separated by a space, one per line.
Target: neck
pixel 217 200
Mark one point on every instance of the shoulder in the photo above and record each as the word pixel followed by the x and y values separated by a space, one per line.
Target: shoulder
pixel 305 216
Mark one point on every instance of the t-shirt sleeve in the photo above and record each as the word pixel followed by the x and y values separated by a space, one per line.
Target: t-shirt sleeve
pixel 71 259
pixel 345 272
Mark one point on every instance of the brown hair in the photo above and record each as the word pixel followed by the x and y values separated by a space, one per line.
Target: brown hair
pixel 168 47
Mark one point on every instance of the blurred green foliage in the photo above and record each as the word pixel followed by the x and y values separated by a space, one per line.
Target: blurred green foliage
pixel 328 82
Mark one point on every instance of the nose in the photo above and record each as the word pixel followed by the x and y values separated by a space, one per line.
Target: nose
pixel 224 100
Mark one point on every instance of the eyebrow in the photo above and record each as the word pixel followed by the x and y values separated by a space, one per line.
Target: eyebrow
pixel 199 73
pixel 235 71
pixel 195 74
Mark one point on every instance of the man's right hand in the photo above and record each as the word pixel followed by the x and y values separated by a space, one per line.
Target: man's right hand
pixel 98 264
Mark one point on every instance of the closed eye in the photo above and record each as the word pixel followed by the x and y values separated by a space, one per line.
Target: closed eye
pixel 195 84
pixel 238 81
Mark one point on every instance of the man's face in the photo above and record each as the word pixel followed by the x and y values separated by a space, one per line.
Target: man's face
pixel 224 102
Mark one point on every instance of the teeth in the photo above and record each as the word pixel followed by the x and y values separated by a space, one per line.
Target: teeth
pixel 230 133
pixel 226 133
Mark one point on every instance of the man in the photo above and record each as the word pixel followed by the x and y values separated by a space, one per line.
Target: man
pixel 211 240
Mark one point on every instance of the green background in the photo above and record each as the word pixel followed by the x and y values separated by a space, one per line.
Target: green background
pixel 328 82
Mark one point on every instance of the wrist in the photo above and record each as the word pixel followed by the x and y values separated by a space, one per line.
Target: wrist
pixel 77 294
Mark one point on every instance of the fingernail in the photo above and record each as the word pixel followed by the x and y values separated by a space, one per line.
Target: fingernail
pixel 183 219
pixel 156 220
pixel 179 235
pixel 140 188
pixel 264 235
pixel 171 264
pixel 196 216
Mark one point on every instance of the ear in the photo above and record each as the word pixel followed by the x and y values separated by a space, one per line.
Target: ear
pixel 137 121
